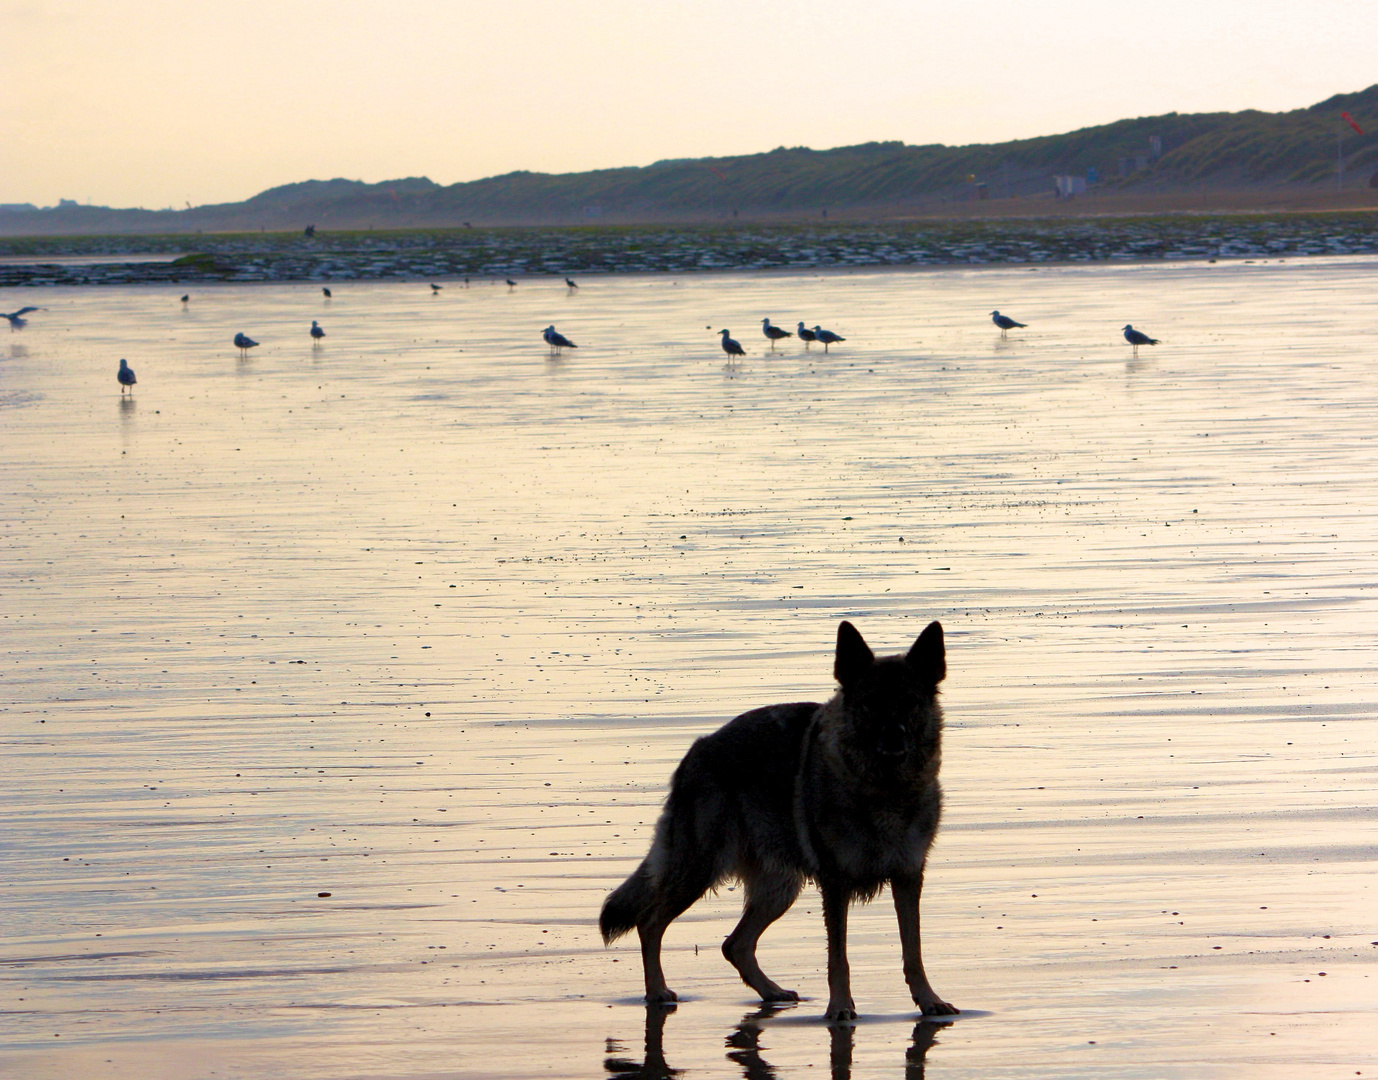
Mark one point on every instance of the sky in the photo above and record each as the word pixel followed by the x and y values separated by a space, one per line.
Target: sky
pixel 161 103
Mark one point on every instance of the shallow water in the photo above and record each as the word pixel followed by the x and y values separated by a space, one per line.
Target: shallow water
pixel 423 619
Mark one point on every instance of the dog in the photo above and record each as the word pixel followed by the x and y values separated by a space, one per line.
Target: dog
pixel 844 794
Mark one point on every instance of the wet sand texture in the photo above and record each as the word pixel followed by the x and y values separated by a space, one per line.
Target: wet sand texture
pixel 423 620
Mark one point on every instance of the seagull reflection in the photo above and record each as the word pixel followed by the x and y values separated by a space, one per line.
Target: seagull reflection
pixel 652 1065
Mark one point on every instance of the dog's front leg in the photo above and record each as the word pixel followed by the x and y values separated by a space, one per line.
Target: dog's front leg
pixel 906 894
pixel 840 1004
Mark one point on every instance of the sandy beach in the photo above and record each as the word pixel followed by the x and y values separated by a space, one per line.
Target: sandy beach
pixel 339 684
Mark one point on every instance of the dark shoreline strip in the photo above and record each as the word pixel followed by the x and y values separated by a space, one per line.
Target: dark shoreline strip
pixel 533 252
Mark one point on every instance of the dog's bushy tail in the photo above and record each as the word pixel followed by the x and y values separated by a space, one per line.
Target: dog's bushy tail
pixel 626 905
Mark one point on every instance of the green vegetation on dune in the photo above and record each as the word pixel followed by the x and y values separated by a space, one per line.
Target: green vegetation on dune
pixel 1245 150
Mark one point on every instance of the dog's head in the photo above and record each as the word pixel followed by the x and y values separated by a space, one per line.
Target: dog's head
pixel 890 701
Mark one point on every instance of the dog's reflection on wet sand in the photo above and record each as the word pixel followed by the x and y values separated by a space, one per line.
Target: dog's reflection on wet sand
pixel 744 1047
pixel 653 1065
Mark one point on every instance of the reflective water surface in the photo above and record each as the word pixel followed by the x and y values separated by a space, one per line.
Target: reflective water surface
pixel 422 619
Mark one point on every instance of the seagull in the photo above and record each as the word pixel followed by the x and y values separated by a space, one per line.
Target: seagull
pixel 243 342
pixel 316 332
pixel 435 288
pixel 1005 322
pixel 827 337
pixel 327 292
pixel 16 318
pixel 126 377
pixel 556 340
pixel 775 333
pixel 805 335
pixel 186 297
pixel 570 282
pixel 730 345
pixel 510 283
pixel 1137 338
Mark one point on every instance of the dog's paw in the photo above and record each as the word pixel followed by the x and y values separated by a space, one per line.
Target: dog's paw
pixel 840 1011
pixel 938 1008
pixel 663 996
pixel 779 993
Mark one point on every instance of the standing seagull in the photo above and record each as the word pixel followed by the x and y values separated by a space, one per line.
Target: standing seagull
pixel 1137 338
pixel 126 377
pixel 316 332
pixel 16 318
pixel 1005 323
pixel 435 288
pixel 827 337
pixel 731 345
pixel 556 340
pixel 327 292
pixel 186 297
pixel 243 342
pixel 775 333
pixel 569 282
pixel 805 335
pixel 510 284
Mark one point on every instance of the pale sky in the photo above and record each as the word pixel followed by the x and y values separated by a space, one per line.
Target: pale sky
pixel 162 102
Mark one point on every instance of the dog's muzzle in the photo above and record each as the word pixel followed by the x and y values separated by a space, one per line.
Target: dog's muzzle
pixel 893 743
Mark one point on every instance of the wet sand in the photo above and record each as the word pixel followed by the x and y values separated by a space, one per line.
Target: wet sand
pixel 423 619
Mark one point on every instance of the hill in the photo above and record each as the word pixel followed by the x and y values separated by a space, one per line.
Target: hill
pixel 1224 158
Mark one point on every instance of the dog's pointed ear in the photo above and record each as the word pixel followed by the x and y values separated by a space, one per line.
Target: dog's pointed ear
pixel 853 657
pixel 928 657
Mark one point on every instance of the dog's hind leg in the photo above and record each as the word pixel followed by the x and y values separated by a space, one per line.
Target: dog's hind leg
pixel 767 898
pixel 670 905
pixel 906 894
pixel 836 898
pixel 651 933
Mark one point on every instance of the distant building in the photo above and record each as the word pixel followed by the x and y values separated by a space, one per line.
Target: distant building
pixel 1069 187
pixel 1142 159
pixel 1135 163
